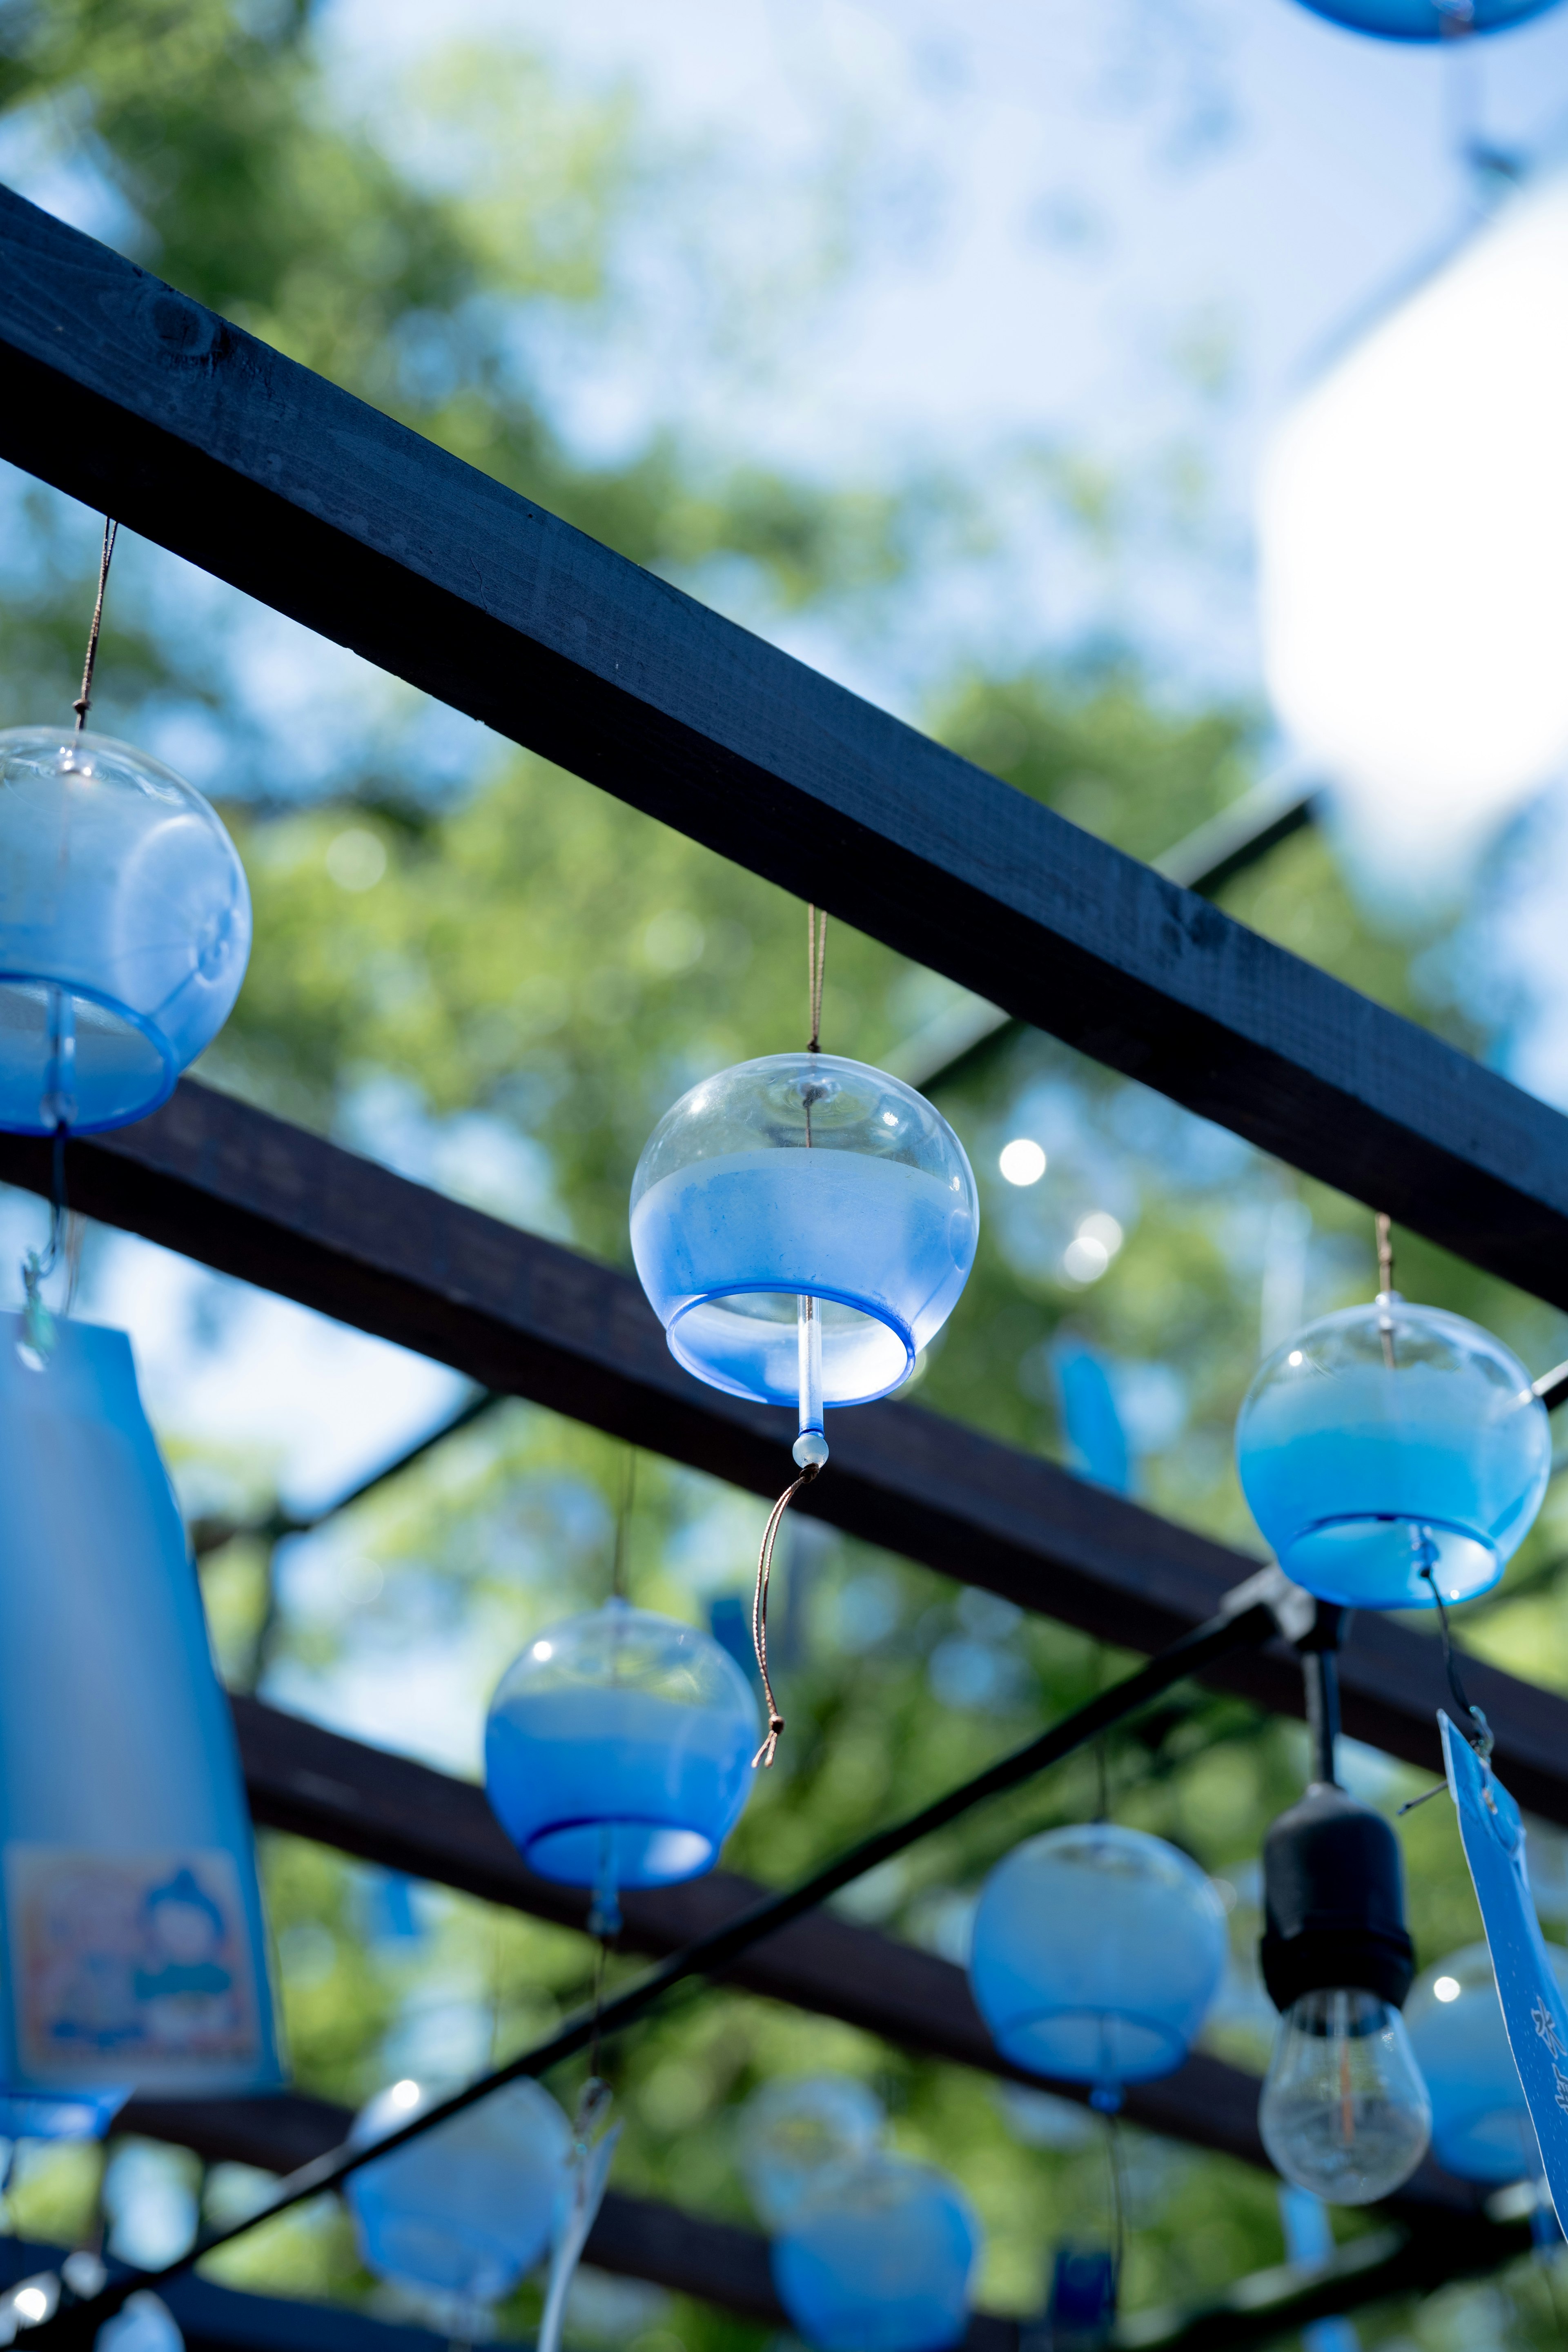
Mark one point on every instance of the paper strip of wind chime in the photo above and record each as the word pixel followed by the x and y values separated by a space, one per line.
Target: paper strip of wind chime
pixel 132 1943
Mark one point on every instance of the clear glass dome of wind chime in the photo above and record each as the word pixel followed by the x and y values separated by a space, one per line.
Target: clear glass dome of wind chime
pixel 1097 1950
pixel 1394 1456
pixel 125 922
pixel 616 1747
pixel 132 1923
pixel 803 1226
pixel 869 2252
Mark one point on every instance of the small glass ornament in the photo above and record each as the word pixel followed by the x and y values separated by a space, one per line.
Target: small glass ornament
pixel 470 2209
pixel 1097 1950
pixel 124 930
pixel 144 2323
pixel 803 1226
pixel 793 2133
pixel 1427 20
pixel 133 1925
pixel 1393 1455
pixel 1481 2128
pixel 617 1752
pixel 878 2260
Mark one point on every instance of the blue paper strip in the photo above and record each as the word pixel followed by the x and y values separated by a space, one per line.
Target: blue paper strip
pixel 1532 2004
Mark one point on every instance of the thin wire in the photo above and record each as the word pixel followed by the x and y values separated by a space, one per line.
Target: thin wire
pixel 1385 1284
pixel 1101 1756
pixel 83 702
pixel 1480 1738
pixel 39 1264
pixel 769 1746
pixel 599 1966
pixel 816 967
pixel 1118 2206
pixel 623 1517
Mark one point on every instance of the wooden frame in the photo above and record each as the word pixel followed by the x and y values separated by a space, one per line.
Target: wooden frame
pixel 253 1196
pixel 129 395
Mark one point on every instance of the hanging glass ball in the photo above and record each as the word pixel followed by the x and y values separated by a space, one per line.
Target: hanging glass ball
pixel 803 1176
pixel 1480 2125
pixel 124 930
pixel 1428 20
pixel 793 2133
pixel 144 2324
pixel 1390 1449
pixel 470 2208
pixel 878 2260
pixel 1097 1950
pixel 618 1750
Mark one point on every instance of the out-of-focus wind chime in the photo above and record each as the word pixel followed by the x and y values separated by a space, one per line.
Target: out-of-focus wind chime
pixel 132 1943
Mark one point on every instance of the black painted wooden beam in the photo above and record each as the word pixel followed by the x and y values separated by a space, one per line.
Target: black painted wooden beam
pixel 254 1197
pixel 1271 2306
pixel 130 396
pixel 1425 2246
pixel 400 1813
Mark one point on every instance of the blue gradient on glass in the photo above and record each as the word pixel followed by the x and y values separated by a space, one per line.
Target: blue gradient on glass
pixel 1426 20
pixel 1364 1473
pixel 879 2261
pixel 618 1747
pixel 1097 1950
pixel 469 2208
pixel 124 930
pixel 1480 2123
pixel 737 1218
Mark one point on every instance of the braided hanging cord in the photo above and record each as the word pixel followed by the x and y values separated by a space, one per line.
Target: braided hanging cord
pixel 83 702
pixel 769 1746
pixel 1385 1283
pixel 816 966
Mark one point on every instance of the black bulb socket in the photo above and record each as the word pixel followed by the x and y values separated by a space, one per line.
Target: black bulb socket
pixel 1333 1901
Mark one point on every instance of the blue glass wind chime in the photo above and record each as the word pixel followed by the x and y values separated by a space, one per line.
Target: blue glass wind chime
pixel 1394 1456
pixel 132 1944
pixel 804 1225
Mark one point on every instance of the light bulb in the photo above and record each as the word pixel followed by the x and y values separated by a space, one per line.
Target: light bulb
pixel 1344 2112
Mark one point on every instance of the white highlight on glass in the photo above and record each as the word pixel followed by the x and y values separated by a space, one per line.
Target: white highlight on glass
pixel 1413 522
pixel 31 2304
pixel 1446 1989
pixel 1022 1161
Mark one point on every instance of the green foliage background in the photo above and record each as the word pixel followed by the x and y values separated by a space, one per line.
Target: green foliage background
pixel 458 943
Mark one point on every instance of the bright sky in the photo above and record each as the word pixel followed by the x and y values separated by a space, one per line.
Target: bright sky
pixel 1062 211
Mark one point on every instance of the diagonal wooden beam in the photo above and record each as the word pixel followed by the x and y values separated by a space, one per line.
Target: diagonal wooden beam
pixel 127 394
pixel 253 1196
pixel 634 2237
pixel 398 1813
pixel 1422 2248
